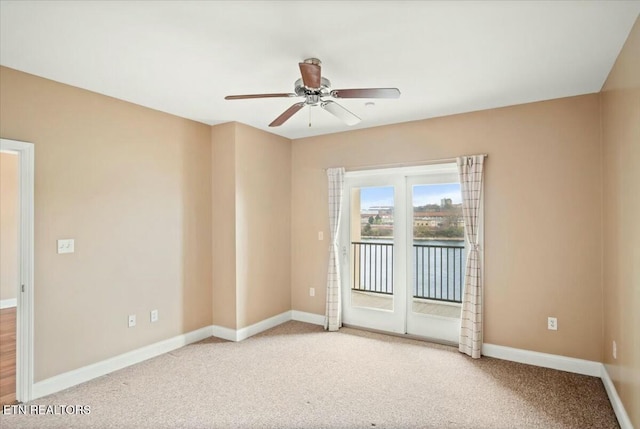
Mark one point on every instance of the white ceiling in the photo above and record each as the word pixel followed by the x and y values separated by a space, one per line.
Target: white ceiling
pixel 183 57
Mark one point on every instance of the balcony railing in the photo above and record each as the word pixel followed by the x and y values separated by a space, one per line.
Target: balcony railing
pixel 373 267
pixel 438 270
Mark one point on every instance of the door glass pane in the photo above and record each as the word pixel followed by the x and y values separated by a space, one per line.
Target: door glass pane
pixel 438 252
pixel 372 231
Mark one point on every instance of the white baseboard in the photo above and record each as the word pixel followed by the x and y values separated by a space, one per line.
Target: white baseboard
pixel 545 360
pixel 616 403
pixel 312 318
pixel 98 369
pixel 8 303
pixel 263 325
pixel 249 331
pixel 225 333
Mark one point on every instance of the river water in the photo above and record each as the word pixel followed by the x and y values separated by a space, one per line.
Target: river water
pixel 437 268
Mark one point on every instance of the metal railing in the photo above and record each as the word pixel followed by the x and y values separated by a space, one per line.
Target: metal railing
pixel 438 272
pixel 372 267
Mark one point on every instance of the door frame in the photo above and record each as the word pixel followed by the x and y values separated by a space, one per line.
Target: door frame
pixel 403 242
pixel 24 317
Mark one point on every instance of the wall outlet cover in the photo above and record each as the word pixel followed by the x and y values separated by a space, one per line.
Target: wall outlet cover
pixel 66 245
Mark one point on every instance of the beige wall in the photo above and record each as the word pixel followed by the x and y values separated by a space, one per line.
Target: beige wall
pixel 132 186
pixel 542 213
pixel 263 225
pixel 252 225
pixel 9 226
pixel 223 143
pixel 621 160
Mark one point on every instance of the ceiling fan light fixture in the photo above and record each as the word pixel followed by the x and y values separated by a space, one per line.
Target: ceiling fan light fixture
pixel 313 87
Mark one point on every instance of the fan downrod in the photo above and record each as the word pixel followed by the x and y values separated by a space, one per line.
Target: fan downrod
pixel 314 61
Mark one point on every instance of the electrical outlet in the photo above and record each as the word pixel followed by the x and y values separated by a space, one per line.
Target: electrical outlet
pixel 132 320
pixel 552 323
pixel 154 316
pixel 615 350
pixel 312 291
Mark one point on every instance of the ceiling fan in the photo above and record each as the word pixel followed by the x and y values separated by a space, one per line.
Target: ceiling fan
pixel 314 88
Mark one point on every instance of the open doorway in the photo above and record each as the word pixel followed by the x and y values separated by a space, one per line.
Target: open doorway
pixel 16 276
pixel 9 271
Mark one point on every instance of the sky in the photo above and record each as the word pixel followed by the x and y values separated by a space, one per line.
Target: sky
pixel 422 195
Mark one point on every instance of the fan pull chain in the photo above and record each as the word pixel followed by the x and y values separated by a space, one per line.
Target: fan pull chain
pixel 309 116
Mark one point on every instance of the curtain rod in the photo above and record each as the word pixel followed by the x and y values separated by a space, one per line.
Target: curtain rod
pixel 403 164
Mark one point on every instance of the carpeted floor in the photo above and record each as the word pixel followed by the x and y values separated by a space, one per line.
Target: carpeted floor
pixel 298 376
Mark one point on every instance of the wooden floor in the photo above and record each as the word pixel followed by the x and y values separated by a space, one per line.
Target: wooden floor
pixel 7 356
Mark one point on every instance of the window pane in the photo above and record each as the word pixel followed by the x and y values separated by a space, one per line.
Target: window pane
pixel 372 221
pixel 439 255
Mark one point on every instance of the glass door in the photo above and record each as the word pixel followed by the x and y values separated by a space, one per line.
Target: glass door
pixel 403 251
pixel 436 257
pixel 373 247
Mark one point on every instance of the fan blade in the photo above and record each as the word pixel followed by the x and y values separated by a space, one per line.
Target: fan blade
pixel 340 112
pixel 242 97
pixel 287 114
pixel 366 93
pixel 310 74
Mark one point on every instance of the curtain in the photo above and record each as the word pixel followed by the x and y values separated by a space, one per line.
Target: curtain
pixel 336 185
pixel 470 169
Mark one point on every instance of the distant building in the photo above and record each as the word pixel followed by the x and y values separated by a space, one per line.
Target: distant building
pixel 425 222
pixel 383 210
pixel 445 202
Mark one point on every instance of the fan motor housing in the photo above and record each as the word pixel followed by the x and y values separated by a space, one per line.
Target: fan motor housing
pixel 312 95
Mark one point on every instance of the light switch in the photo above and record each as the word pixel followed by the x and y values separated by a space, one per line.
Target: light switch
pixel 66 245
pixel 320 235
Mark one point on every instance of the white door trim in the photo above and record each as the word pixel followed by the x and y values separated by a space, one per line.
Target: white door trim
pixel 24 322
pixel 401 319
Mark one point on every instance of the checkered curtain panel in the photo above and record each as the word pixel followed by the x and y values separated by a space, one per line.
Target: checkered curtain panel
pixel 333 320
pixel 470 169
